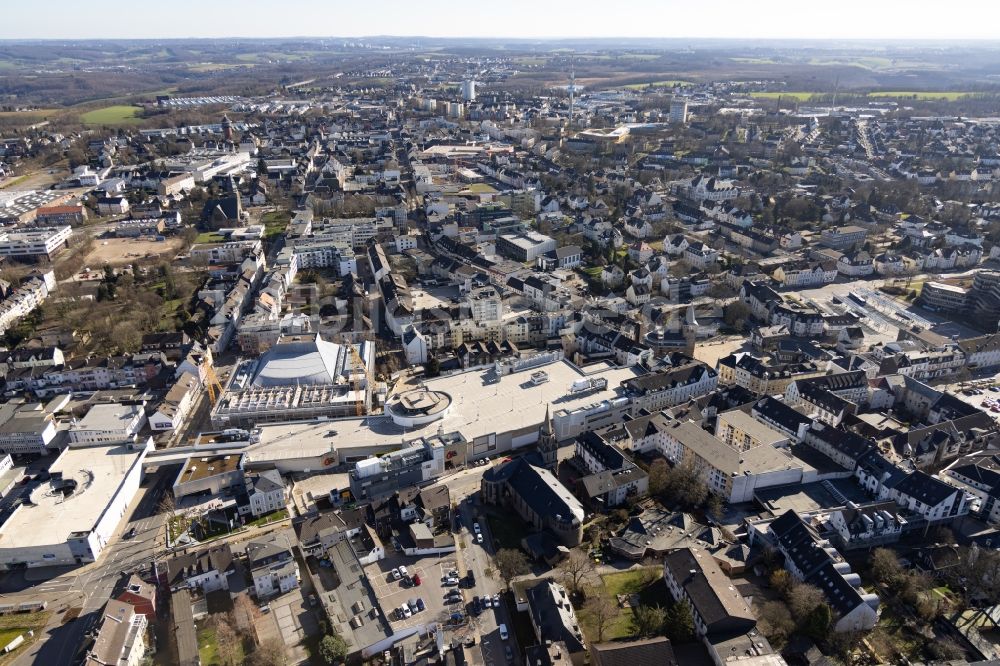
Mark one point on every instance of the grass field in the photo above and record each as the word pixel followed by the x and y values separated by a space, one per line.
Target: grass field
pixel 7 635
pixel 480 188
pixel 12 626
pixel 209 237
pixel 275 222
pixel 635 581
pixel 119 114
pixel 33 116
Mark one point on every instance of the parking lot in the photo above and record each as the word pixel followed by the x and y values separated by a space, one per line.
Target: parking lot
pixel 290 618
pixel 393 593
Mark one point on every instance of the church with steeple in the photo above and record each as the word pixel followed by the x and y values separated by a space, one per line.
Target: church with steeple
pixel 548 447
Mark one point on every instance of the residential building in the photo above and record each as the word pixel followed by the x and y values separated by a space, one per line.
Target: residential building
pixel 121 638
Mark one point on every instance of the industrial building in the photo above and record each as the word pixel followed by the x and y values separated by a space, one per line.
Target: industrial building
pixel 80 507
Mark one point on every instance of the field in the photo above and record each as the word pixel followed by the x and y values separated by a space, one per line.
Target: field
pixel 11 626
pixel 801 96
pixel 121 251
pixel 950 96
pixel 804 96
pixel 658 84
pixel 214 66
pixel 645 582
pixel 119 114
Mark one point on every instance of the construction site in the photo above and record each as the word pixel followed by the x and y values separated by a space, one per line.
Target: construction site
pixel 301 377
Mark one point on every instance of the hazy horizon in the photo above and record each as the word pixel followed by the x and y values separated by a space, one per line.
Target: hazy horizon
pixel 889 20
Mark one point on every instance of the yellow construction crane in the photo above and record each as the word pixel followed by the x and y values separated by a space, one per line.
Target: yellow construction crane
pixel 212 383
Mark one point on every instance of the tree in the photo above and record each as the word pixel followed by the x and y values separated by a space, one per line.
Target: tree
pixel 680 622
pixel 603 610
pixel 682 485
pixel 333 649
pixel 735 314
pixel 782 582
pixel 510 564
pixel 575 568
pixel 885 567
pixel 775 621
pixel 658 476
pixel 648 621
pixel 816 624
pixel 269 653
pixel 227 640
pixel 803 599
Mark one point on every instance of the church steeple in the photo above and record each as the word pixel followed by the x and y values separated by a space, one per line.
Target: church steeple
pixel 548 447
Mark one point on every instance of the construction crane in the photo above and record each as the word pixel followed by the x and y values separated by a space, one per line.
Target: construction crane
pixel 359 368
pixel 212 383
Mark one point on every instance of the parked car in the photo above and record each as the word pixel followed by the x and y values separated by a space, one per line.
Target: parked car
pixel 479 538
pixel 508 655
pixel 451 581
pixel 503 632
pixel 475 527
pixel 420 603
pixel 415 579
pixel 129 534
pixel 403 572
pixel 496 601
pixel 487 602
pixel 405 610
pixel 396 574
pixel 412 603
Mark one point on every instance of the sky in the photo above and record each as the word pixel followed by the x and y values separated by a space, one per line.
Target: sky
pixel 756 19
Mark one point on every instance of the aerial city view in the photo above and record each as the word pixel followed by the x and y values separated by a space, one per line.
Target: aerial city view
pixel 543 334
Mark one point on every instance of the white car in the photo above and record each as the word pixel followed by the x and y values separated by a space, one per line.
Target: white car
pixel 396 574
pixel 451 580
pixel 503 632
pixel 479 538
pixel 487 602
pixel 403 572
pixel 405 610
pixel 475 528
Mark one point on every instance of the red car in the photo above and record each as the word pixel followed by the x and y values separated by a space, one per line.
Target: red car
pixel 416 579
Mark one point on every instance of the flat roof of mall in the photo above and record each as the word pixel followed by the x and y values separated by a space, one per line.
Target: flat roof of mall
pixel 481 405
pixel 99 472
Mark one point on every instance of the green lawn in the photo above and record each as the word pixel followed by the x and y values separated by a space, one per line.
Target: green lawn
pixel 647 582
pixel 275 222
pixel 209 237
pixel 7 635
pixel 269 518
pixel 119 114
pixel 208 648
pixel 11 626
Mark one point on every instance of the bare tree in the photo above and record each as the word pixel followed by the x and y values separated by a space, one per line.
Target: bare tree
pixel 603 610
pixel 227 640
pixel 269 653
pixel 575 568
pixel 510 563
